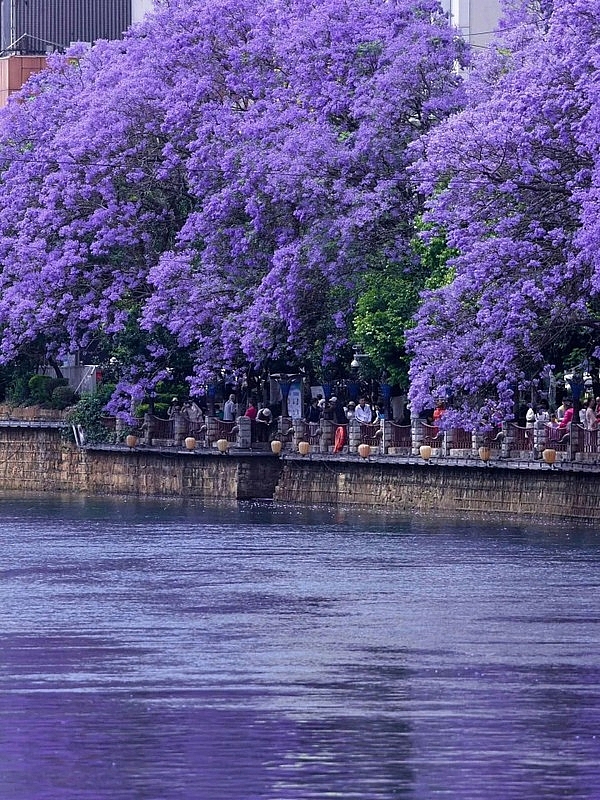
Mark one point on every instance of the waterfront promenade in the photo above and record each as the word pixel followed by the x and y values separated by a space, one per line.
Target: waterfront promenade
pixel 37 455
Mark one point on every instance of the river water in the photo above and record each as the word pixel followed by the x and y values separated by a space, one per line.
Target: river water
pixel 169 651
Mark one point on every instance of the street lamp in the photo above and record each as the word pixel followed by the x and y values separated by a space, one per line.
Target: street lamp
pixel 355 363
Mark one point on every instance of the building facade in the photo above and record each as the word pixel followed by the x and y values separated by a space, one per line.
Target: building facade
pixel 36 27
pixel 30 29
pixel 477 19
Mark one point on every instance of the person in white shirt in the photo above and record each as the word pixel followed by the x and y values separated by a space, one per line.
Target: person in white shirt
pixel 362 412
pixel 591 419
pixel 229 409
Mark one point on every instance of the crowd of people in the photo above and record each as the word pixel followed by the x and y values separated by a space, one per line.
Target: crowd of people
pixel 320 408
pixel 317 409
pixel 564 414
pixel 332 409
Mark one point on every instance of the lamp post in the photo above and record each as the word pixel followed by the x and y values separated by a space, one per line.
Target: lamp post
pixel 354 390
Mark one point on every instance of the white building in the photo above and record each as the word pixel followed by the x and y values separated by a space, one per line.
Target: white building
pixel 477 19
pixel 139 8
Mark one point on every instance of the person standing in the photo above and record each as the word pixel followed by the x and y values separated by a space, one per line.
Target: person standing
pixel 339 415
pixel 529 421
pixel 229 409
pixel 174 409
pixel 591 419
pixel 313 412
pixel 362 412
pixel 568 415
pixel 252 410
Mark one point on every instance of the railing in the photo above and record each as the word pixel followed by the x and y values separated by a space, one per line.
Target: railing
pixel 522 438
pixel 314 433
pixel 370 434
pixel 400 435
pixel 556 438
pixel 463 440
pixel 584 440
pixel 432 435
pixel 573 442
pixel 193 427
pixel 160 428
pixel 225 430
pixel 493 439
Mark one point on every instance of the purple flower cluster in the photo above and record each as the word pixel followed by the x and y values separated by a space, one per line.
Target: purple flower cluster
pixel 221 178
pixel 512 184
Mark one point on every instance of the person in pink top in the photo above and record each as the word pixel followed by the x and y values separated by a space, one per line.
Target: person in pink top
pixel 568 415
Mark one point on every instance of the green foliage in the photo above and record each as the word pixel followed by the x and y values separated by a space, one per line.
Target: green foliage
pixel 41 389
pixel 62 397
pixel 88 413
pixel 17 390
pixel 104 392
pixel 160 409
pixel 382 314
pixel 390 297
pixel 434 255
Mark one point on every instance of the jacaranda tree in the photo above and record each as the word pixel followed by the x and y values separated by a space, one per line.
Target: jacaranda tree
pixel 219 182
pixel 513 186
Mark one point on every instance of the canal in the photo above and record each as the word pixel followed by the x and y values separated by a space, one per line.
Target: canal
pixel 171 651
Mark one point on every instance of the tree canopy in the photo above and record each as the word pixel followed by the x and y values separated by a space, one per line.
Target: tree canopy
pixel 512 183
pixel 219 182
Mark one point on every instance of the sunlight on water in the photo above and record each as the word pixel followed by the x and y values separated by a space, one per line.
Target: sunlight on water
pixel 181 652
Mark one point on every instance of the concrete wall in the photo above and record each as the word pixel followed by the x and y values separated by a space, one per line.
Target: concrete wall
pixel 477 19
pixel 139 9
pixel 37 459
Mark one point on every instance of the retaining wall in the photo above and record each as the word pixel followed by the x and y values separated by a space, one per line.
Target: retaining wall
pixel 454 490
pixel 34 457
pixel 37 459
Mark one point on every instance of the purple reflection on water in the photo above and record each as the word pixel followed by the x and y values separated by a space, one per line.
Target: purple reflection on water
pixel 186 653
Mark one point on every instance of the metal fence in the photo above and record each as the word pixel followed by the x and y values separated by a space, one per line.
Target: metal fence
pixel 399 435
pixel 508 441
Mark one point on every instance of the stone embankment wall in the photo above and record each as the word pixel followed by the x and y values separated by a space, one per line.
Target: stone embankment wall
pixel 37 459
pixel 34 457
pixel 474 490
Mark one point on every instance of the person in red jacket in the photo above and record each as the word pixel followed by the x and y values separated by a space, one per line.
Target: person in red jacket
pixel 252 410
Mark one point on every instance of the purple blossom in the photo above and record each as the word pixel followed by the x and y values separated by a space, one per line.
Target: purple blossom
pixel 221 177
pixel 512 184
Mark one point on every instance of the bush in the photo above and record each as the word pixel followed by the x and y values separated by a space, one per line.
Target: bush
pixel 160 409
pixel 88 413
pixel 18 391
pixel 62 397
pixel 40 388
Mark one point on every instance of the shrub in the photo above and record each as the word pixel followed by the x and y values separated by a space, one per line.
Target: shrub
pixel 17 391
pixel 88 413
pixel 62 397
pixel 41 388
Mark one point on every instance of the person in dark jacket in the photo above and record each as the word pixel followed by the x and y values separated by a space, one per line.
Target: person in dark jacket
pixel 313 412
